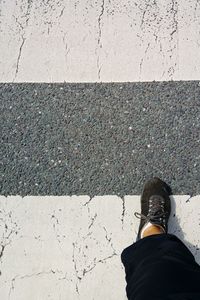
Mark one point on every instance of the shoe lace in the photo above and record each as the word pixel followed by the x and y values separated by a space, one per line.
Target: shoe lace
pixel 156 210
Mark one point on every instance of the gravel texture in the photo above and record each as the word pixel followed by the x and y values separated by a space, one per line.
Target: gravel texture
pixel 99 138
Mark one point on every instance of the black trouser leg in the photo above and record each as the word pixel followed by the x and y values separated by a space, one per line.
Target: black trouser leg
pixel 161 267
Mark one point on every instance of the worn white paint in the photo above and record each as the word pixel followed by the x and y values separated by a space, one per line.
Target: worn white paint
pixel 69 247
pixel 106 40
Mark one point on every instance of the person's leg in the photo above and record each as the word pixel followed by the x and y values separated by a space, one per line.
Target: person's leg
pixel 160 266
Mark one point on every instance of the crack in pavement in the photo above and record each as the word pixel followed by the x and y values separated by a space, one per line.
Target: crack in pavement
pixel 92 221
pixel 22 28
pixel 87 269
pixel 109 240
pixel 99 36
pixel 19 57
pixel 76 269
pixel 21 277
pixel 174 10
pixel 142 60
pixel 10 229
pixel 123 211
pixel 66 48
pixel 99 22
pixel 22 37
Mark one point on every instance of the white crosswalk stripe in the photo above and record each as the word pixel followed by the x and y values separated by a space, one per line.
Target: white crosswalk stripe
pixel 55 247
pixel 60 246
pixel 79 41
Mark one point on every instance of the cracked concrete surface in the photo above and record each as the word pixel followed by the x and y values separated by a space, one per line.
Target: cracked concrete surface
pixel 56 247
pixel 83 41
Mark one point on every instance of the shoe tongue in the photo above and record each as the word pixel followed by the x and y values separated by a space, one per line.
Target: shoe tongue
pixel 156 212
pixel 155 217
pixel 155 222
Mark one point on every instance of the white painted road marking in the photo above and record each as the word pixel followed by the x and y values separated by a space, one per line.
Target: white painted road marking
pixel 79 41
pixel 54 247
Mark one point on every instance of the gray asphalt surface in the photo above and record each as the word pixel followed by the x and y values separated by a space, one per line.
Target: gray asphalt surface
pixel 98 139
